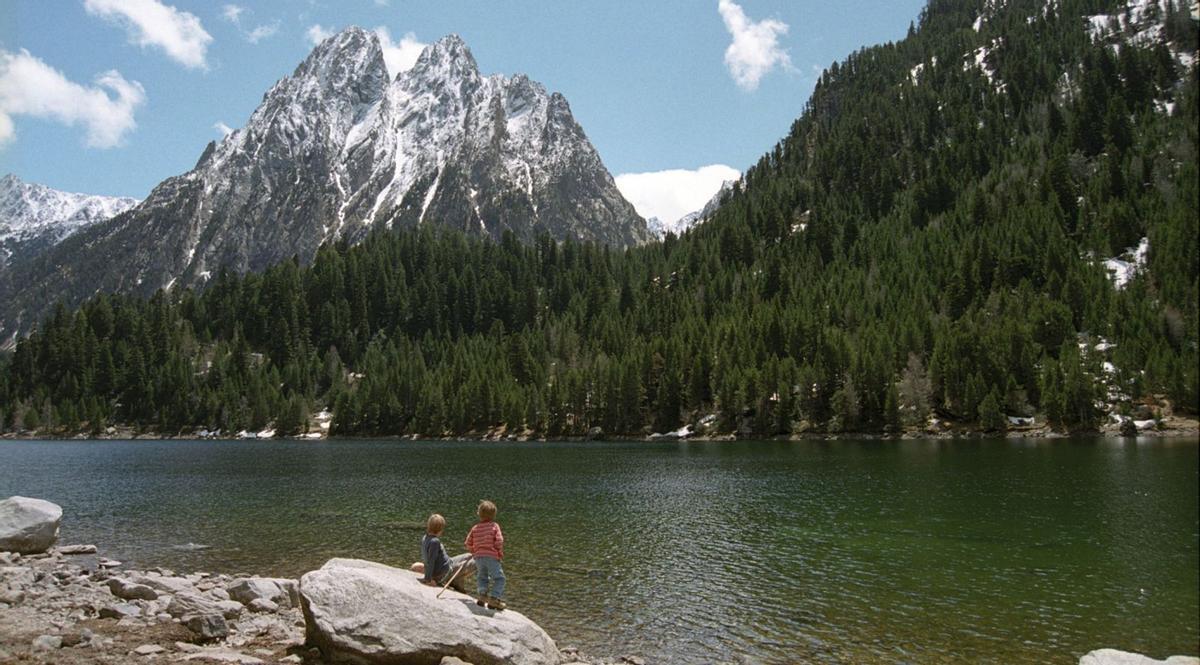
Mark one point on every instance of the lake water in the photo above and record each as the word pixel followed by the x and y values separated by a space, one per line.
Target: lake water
pixel 776 552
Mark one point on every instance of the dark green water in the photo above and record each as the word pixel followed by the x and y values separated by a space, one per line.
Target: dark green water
pixel 845 551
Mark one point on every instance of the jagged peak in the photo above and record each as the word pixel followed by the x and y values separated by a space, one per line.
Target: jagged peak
pixel 448 57
pixel 348 40
pixel 353 53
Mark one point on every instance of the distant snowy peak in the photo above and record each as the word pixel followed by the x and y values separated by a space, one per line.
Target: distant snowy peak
pixel 660 229
pixel 36 215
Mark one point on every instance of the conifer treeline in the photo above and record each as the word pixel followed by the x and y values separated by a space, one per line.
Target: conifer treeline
pixel 921 242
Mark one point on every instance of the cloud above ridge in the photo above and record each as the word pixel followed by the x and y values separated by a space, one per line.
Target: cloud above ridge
pixel 755 48
pixel 234 13
pixel 402 55
pixel 671 194
pixel 317 33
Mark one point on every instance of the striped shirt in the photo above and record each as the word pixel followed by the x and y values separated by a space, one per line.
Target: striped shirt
pixel 485 539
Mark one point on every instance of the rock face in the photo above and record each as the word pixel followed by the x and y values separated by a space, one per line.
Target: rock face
pixel 364 612
pixel 334 151
pixel 28 526
pixel 1117 657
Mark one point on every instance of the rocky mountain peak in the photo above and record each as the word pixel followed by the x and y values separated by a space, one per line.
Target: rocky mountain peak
pixel 445 66
pixel 337 149
pixel 348 64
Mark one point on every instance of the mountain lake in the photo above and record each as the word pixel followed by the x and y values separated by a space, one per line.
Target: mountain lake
pixel 999 550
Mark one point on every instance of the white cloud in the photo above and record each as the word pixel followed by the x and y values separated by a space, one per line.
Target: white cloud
pixel 261 32
pixel 755 49
pixel 669 195
pixel 233 14
pixel 317 33
pixel 151 23
pixel 29 86
pixel 225 129
pixel 399 56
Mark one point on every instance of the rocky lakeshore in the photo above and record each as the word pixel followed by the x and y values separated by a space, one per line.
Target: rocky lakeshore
pixel 70 604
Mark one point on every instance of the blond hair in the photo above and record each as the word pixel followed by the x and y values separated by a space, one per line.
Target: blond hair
pixel 486 510
pixel 435 525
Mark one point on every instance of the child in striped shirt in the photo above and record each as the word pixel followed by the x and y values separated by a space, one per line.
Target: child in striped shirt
pixel 486 543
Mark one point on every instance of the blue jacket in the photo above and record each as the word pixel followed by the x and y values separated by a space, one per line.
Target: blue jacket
pixel 437 562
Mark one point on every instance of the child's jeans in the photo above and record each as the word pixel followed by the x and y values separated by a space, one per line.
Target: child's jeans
pixel 488 569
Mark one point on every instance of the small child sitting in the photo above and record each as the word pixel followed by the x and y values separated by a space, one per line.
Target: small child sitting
pixel 486 544
pixel 437 565
pixel 433 554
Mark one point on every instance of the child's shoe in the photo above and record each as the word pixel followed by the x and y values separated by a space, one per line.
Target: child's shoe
pixel 496 604
pixel 481 601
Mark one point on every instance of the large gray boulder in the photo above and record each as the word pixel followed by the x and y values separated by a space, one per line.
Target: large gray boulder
pixel 282 592
pixel 364 612
pixel 1117 657
pixel 28 526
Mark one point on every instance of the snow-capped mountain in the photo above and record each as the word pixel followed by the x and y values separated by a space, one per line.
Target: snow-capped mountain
pixel 34 217
pixel 336 150
pixel 659 228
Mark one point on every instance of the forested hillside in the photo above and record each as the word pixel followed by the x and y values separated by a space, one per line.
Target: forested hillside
pixel 930 239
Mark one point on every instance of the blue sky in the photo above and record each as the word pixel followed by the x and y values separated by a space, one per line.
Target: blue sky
pixel 112 96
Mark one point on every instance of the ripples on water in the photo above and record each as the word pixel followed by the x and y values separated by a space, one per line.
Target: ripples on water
pixel 772 552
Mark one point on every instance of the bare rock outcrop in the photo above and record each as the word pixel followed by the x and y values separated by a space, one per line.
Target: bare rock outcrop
pixel 365 612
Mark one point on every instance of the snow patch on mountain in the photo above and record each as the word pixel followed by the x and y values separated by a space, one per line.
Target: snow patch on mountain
pixel 1122 268
pixel 980 59
pixel 1141 23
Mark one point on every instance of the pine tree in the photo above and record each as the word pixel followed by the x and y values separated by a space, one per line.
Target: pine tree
pixel 991 417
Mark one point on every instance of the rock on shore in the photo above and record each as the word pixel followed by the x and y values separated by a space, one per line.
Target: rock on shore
pixel 1116 657
pixel 365 612
pixel 28 526
pixel 68 610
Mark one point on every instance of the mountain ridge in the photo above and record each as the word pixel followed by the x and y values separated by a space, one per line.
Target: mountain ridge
pixel 334 150
pixel 34 217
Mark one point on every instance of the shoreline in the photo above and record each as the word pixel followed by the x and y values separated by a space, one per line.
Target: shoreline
pixel 1172 427
pixel 70 606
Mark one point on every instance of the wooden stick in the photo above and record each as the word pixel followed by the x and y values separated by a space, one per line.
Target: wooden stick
pixel 451 580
